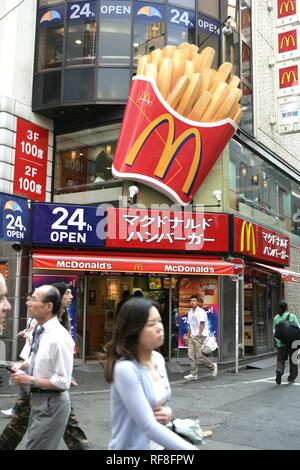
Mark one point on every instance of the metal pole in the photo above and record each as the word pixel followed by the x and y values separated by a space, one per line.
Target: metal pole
pixel 170 319
pixel 237 324
pixel 84 311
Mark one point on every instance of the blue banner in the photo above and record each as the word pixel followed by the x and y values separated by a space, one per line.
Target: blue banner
pixel 113 9
pixel 14 220
pixel 68 225
pixel 148 13
pixel 50 16
pixel 209 25
pixel 82 11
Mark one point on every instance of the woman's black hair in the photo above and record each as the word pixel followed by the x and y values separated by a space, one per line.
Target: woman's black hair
pixel 132 318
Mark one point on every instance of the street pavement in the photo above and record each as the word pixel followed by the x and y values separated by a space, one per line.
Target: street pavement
pixel 245 411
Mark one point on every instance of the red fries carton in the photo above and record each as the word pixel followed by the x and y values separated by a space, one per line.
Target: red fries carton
pixel 164 150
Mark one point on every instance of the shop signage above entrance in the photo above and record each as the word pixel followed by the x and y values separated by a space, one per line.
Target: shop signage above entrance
pixel 134 263
pixel 14 221
pixel 67 225
pixel 167 230
pixel 260 242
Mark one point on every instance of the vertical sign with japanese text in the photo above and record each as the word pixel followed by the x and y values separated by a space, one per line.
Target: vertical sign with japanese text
pixel 31 160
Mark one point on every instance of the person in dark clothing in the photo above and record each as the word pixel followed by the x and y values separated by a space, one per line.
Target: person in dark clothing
pixel 13 433
pixel 285 351
pixel 138 293
pixel 125 296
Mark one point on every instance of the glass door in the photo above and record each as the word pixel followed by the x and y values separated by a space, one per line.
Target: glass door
pixel 261 309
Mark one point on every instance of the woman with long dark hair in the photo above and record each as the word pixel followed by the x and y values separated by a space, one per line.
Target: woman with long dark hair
pixel 140 388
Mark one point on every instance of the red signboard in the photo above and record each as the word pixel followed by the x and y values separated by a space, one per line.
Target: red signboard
pixel 137 263
pixel 286 8
pixel 288 77
pixel 164 230
pixel 31 161
pixel 260 242
pixel 164 149
pixel 287 41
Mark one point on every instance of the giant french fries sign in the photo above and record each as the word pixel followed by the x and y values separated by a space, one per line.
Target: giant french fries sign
pixel 161 148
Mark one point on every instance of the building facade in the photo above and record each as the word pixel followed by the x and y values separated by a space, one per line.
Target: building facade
pixel 68 67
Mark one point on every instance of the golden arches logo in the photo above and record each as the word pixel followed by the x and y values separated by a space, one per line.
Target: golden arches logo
pixel 171 149
pixel 247 240
pixel 286 40
pixel 138 267
pixel 287 5
pixel 286 77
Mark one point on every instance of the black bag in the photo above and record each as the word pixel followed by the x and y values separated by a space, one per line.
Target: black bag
pixel 287 332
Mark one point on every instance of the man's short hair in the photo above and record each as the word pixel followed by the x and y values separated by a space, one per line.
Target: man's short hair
pixel 52 295
pixel 194 296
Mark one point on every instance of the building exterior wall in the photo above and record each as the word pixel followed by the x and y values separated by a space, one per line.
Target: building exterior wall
pixel 17 37
pixel 286 146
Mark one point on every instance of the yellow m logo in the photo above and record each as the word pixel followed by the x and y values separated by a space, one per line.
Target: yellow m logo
pixel 138 267
pixel 171 149
pixel 286 77
pixel 248 236
pixel 287 5
pixel 286 40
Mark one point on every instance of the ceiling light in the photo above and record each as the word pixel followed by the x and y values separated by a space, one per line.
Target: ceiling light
pixel 78 41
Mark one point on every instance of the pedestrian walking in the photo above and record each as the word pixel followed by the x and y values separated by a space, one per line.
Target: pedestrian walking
pixel 48 372
pixel 13 433
pixel 24 354
pixel 74 436
pixel 285 351
pixel 197 334
pixel 140 389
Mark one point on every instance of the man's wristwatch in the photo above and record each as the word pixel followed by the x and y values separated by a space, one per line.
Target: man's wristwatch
pixel 32 382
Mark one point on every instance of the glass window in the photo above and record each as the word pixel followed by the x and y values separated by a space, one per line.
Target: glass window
pixel 209 35
pixel 81 33
pixel 247 106
pixel 45 3
pixel 149 29
pixel 79 85
pixel 183 3
pixel 245 21
pixel 115 33
pixel 261 191
pixel 47 87
pixel 210 7
pixel 181 26
pixel 113 84
pixel 83 159
pixel 50 34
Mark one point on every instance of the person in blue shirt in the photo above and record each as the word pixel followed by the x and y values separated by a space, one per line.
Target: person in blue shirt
pixel 140 389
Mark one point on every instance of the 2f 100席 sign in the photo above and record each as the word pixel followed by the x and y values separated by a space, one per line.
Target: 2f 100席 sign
pixel 66 225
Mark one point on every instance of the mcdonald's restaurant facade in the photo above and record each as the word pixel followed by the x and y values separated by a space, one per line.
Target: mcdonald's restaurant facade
pixel 80 85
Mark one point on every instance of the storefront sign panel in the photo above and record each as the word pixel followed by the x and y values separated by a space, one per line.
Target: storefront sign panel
pixel 287 12
pixel 31 160
pixel 260 242
pixel 165 230
pixel 106 263
pixel 66 225
pixel 14 221
pixel 206 288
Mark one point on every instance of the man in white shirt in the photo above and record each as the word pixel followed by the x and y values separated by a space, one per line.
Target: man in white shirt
pixel 48 372
pixel 198 332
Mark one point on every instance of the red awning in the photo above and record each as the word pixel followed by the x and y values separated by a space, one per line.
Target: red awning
pixel 286 276
pixel 133 262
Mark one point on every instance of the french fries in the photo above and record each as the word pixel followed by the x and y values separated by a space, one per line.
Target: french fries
pixel 189 84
